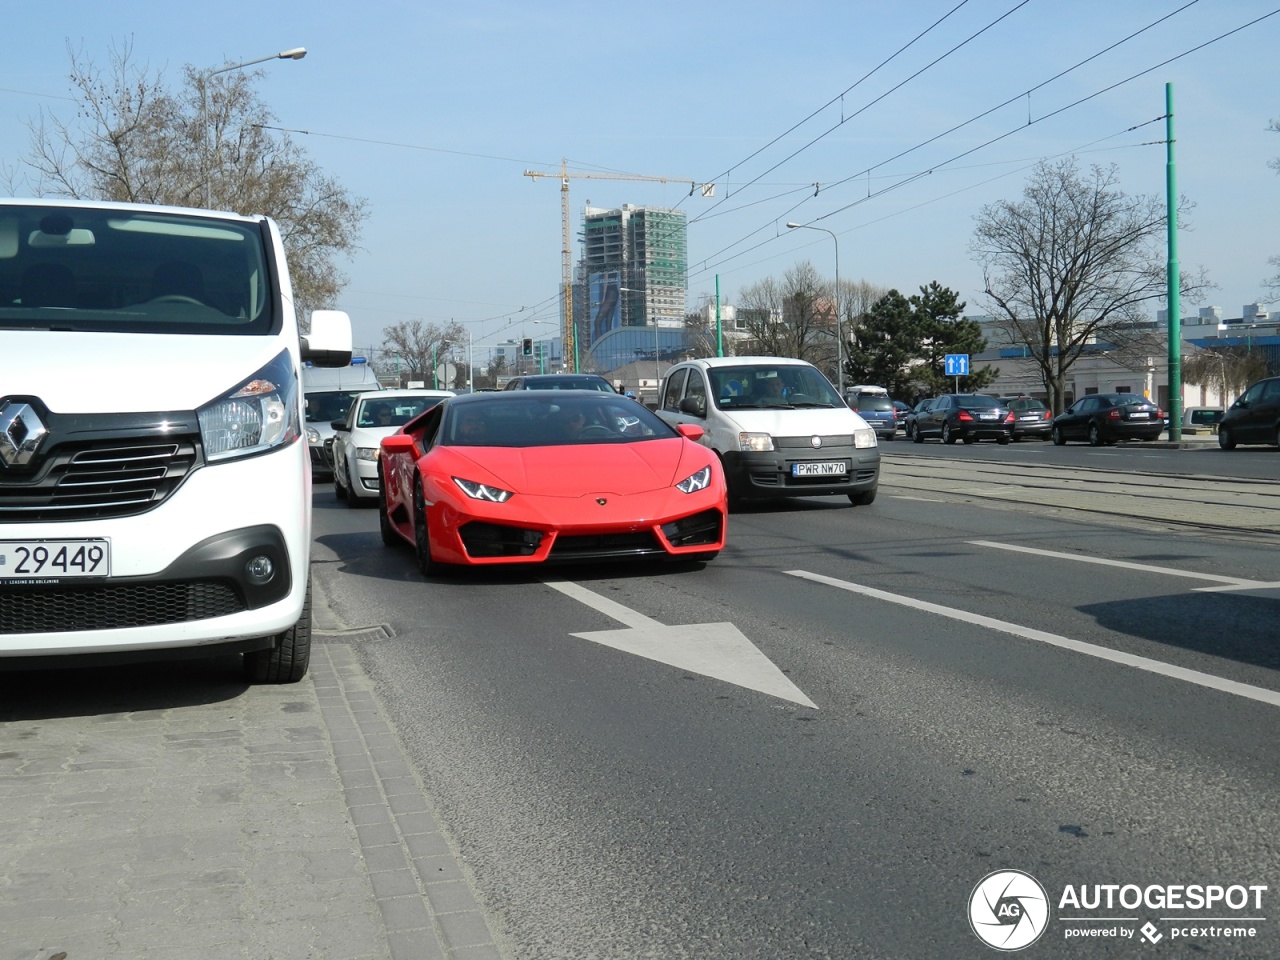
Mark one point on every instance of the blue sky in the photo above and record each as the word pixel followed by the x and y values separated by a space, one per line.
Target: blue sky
pixel 433 111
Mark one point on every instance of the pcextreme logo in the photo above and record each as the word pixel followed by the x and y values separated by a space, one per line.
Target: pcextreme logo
pixel 1008 910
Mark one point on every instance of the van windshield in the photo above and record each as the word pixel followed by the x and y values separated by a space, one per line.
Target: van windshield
pixel 103 269
pixel 733 388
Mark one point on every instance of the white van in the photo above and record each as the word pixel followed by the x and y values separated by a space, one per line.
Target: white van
pixel 155 491
pixel 329 393
pixel 778 425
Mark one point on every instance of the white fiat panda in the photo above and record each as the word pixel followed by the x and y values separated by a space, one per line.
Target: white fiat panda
pixel 778 425
pixel 155 489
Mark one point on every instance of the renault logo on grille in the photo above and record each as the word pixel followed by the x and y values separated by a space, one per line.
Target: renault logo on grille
pixel 21 432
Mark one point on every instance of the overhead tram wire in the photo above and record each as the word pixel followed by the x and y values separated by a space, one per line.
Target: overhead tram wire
pixel 974 119
pixel 959 126
pixel 1026 93
pixel 1021 127
pixel 1072 105
pixel 867 106
pixel 842 94
pixel 1028 163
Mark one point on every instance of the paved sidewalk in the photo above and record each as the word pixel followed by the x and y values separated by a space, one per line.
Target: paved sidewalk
pixel 163 812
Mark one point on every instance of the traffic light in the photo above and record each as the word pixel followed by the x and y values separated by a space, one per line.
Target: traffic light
pixel 526 346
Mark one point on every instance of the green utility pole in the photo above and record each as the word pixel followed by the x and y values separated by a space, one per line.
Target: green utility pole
pixel 1174 291
pixel 719 329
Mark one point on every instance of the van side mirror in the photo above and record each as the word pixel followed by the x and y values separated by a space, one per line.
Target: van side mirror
pixel 328 344
pixel 694 406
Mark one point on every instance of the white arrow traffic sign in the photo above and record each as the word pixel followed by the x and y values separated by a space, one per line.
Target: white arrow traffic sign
pixel 716 650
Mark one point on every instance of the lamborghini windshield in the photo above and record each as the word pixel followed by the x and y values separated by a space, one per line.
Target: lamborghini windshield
pixel 544 418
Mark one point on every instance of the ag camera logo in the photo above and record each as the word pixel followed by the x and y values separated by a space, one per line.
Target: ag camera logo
pixel 1008 910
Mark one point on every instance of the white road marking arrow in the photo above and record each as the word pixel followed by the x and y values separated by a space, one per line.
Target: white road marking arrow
pixel 716 650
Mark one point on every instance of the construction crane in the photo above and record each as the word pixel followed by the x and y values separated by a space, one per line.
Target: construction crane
pixel 566 252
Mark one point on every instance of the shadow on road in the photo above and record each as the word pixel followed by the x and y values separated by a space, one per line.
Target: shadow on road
pixel 38 692
pixel 1237 627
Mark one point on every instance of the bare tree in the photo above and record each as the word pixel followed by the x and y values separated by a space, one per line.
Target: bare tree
pixel 135 140
pixel 857 297
pixel 699 336
pixel 416 347
pixel 1075 262
pixel 794 318
pixel 1227 370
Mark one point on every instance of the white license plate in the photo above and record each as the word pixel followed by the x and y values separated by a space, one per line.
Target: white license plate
pixel 1034 416
pixel 820 469
pixel 1139 415
pixel 988 416
pixel 54 559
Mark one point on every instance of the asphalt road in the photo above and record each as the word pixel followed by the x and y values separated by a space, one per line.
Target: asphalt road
pixel 956 680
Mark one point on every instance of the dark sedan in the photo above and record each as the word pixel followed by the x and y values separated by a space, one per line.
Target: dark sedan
pixel 963 416
pixel 902 410
pixel 1031 418
pixel 1106 418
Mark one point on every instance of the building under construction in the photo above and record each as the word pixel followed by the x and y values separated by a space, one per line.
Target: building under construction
pixel 632 275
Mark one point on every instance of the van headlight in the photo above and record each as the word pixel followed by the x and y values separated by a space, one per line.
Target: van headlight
pixel 863 437
pixel 755 442
pixel 256 415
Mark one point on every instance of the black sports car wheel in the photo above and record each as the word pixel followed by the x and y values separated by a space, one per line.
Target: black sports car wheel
pixel 429 566
pixel 388 532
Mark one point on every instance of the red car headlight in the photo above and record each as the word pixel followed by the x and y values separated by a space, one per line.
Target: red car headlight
pixel 482 491
pixel 698 481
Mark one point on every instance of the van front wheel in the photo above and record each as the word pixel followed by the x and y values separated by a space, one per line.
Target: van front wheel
pixel 288 659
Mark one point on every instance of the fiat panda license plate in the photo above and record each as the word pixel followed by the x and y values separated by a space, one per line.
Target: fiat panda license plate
pixel 54 559
pixel 819 468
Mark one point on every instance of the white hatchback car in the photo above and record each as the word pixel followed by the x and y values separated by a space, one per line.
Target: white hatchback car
pixel 356 437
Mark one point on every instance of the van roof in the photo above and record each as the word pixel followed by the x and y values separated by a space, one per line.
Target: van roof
pixel 359 376
pixel 749 362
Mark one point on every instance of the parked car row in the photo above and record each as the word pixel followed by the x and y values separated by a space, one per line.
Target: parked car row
pixel 1099 419
pixel 961 416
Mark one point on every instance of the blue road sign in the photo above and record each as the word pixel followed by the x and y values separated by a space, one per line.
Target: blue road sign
pixel 957 364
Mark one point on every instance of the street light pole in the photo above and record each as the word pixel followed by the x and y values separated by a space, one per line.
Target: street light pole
pixel 839 336
pixel 296 53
